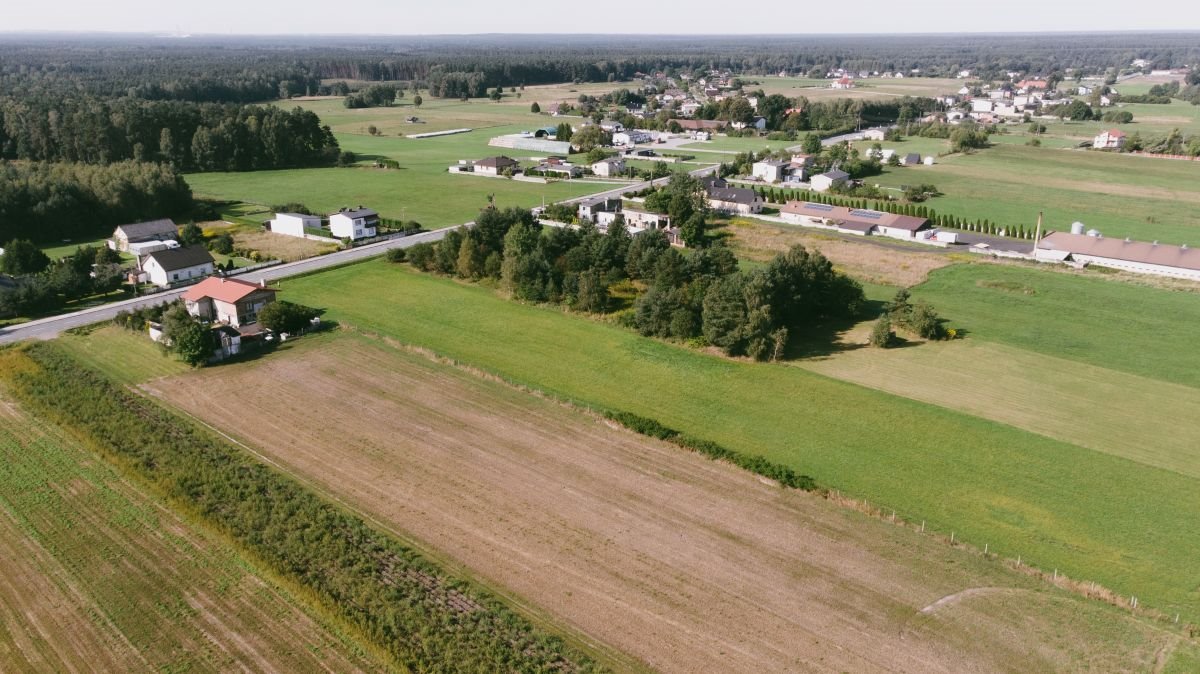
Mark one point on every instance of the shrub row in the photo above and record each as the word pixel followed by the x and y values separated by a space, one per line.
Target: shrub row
pixel 426 619
pixel 755 464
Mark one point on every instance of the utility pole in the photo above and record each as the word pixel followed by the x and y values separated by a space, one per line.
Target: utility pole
pixel 1037 235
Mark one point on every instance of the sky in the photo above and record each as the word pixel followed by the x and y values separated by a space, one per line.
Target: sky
pixel 430 17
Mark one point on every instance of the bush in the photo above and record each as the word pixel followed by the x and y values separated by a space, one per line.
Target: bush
pixel 396 255
pixel 282 316
pixel 882 335
pixel 222 243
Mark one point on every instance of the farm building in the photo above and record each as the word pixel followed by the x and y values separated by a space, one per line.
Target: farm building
pixel 227 301
pixel 517 141
pixel 734 200
pixel 140 232
pixel 1113 139
pixel 874 134
pixel 354 223
pixel 293 224
pixel 1135 256
pixel 558 168
pixel 825 181
pixel 495 166
pixel 700 124
pixel 173 265
pixel 910 159
pixel 861 222
pixel 630 137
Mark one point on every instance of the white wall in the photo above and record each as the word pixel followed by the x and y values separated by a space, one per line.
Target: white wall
pixel 1139 267
pixel 161 278
pixel 292 225
pixel 343 226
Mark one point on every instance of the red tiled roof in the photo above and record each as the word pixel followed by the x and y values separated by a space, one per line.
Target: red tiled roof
pixel 1116 133
pixel 229 290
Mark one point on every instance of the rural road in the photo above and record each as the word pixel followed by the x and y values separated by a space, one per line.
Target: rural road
pixel 50 327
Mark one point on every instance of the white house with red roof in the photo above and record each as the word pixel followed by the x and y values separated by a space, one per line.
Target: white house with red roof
pixel 1113 139
pixel 843 83
pixel 227 301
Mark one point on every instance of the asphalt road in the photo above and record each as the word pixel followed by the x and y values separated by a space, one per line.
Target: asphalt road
pixel 48 328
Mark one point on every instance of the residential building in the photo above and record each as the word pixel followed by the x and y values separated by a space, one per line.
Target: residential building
pixel 689 109
pixel 138 232
pixel 874 134
pixel 734 200
pixel 609 167
pixel 771 170
pixel 910 159
pixel 1134 256
pixel 164 268
pixel 612 126
pixel 1113 139
pixel 293 224
pixel 228 301
pixel 826 181
pixel 559 169
pixel 496 166
pixel 843 83
pixel 590 210
pixel 356 223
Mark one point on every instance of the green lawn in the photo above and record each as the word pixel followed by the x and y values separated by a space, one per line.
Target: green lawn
pixel 421 189
pixel 1121 195
pixel 127 357
pixel 1120 326
pixel 1089 514
pixel 65 248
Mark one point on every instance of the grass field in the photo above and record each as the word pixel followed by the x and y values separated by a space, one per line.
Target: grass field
pixel 1113 325
pixel 421 189
pixel 96 576
pixel 1121 195
pixel 683 563
pixel 868 88
pixel 1058 505
pixel 126 357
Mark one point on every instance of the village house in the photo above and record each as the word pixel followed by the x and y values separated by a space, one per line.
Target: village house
pixel 759 123
pixel 612 126
pixel 609 167
pixel 558 168
pixel 1135 256
pixel 843 83
pixel 228 301
pixel 827 180
pixel 771 170
pixel 164 268
pixel 689 109
pixel 293 224
pixel 496 166
pixel 357 223
pixel 874 134
pixel 734 200
pixel 142 232
pixel 910 159
pixel 1113 139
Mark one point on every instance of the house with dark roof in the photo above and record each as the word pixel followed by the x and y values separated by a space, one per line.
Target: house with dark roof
pixel 167 267
pixel 163 229
pixel 734 200
pixel 354 223
pixel 495 166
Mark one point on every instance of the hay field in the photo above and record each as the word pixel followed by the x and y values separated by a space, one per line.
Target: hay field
pixel 682 563
pixel 96 576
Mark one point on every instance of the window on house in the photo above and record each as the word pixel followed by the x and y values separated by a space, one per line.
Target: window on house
pixel 174 277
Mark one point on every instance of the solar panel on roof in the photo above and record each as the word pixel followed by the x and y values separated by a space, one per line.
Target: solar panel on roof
pixel 873 215
pixel 819 207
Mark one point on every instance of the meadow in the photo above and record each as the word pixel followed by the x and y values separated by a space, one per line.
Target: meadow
pixel 1120 195
pixel 95 575
pixel 1086 513
pixel 866 88
pixel 1085 318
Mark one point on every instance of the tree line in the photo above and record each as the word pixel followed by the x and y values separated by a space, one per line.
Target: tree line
pixel 697 295
pixel 48 202
pixel 190 136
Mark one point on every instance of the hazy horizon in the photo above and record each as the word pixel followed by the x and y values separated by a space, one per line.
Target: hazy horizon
pixel 612 17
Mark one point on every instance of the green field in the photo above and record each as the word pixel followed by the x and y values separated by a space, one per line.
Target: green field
pixel 421 189
pixel 126 357
pixel 1121 195
pixel 1098 321
pixel 1086 513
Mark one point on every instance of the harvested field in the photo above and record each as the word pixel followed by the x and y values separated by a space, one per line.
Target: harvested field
pixel 95 576
pixel 685 564
pixel 871 262
pixel 281 247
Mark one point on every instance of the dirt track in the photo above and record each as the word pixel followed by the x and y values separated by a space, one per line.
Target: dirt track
pixel 686 564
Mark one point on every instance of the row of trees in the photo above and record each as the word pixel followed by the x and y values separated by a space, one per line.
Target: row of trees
pixel 374 96
pixel 695 295
pixel 191 136
pixel 47 202
pixel 39 285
